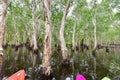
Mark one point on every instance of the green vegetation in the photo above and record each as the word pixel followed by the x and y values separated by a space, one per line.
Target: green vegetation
pixel 25 22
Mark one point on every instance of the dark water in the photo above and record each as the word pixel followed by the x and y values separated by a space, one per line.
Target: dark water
pixel 108 64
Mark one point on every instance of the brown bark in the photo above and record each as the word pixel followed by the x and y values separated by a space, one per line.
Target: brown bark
pixel 61 35
pixel 3 11
pixel 47 40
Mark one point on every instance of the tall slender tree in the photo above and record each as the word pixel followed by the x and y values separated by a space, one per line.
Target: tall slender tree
pixel 61 34
pixel 3 12
pixel 95 39
pixel 73 35
pixel 34 25
pixel 47 40
pixel 95 43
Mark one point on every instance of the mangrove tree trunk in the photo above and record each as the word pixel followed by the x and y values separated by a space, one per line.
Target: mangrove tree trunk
pixel 61 35
pixel 73 36
pixel 3 12
pixel 95 43
pixel 47 40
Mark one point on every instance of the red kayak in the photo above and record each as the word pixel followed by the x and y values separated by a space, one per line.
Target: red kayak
pixel 20 75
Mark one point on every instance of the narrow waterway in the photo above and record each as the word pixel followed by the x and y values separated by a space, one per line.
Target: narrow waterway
pixel 82 62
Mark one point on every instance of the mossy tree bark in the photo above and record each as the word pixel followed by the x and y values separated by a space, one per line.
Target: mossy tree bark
pixel 47 40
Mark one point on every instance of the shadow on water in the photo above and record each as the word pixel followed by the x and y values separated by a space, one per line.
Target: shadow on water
pixel 79 63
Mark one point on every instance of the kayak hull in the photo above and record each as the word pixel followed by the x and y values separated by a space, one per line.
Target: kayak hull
pixel 20 75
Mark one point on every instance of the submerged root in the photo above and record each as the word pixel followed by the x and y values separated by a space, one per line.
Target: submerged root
pixel 46 71
pixel 65 62
pixel 65 57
